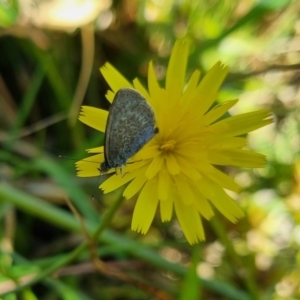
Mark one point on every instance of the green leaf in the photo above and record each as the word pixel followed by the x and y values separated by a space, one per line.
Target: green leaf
pixel 192 286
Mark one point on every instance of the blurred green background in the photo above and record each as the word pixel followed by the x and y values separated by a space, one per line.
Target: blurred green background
pixel 50 55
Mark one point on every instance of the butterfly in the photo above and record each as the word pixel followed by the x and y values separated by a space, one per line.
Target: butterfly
pixel 130 125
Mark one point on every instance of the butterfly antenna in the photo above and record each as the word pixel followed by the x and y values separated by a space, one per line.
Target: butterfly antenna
pixel 70 158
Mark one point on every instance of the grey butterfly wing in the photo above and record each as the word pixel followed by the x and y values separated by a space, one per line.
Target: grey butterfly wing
pixel 129 127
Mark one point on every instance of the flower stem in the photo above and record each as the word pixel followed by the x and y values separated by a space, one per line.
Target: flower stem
pixel 107 218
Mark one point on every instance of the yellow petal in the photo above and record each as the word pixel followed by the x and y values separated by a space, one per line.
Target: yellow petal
pixel 165 184
pixel 223 180
pixel 207 89
pixel 172 164
pixel 203 206
pixel 166 210
pixel 175 77
pixel 148 151
pixel 110 96
pixel 190 89
pixel 217 112
pixel 135 186
pixel 94 117
pixel 89 167
pixel 96 150
pixel 220 143
pixel 139 87
pixel 154 166
pixel 145 208
pixel 154 88
pixel 243 123
pixel 191 152
pixel 87 172
pixel 239 158
pixel 134 165
pixel 190 222
pixel 115 181
pixel 188 168
pixel 220 200
pixel 115 79
pixel 184 190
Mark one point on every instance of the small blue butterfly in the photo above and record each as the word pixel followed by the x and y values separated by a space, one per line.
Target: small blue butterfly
pixel 130 125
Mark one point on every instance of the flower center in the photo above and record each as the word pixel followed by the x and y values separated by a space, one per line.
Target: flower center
pixel 168 146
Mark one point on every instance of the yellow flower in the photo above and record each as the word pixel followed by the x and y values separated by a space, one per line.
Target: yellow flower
pixel 177 168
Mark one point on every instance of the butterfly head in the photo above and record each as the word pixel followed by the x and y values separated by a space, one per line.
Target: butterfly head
pixel 104 167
